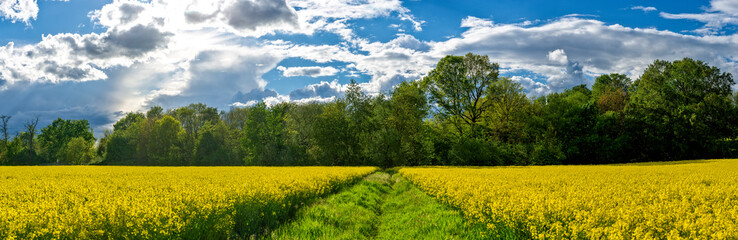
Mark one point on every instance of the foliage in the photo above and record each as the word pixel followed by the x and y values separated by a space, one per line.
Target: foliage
pixel 56 136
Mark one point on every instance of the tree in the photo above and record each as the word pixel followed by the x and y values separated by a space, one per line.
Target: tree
pixel 166 136
pixel 458 86
pixel 300 129
pixel 685 106
pixel 155 113
pixel 4 146
pixel 217 146
pixel 55 136
pixel 508 110
pixel 263 135
pixel 409 107
pixel 126 122
pixel 611 92
pixel 338 146
pixel 29 140
pixel 4 128
pixel 78 151
pixel 362 124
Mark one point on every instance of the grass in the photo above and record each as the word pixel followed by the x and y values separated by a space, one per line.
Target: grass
pixel 381 206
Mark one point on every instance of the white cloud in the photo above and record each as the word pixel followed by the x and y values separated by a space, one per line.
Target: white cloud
pixel 307 71
pixel 19 10
pixel 720 14
pixel 558 56
pixel 318 90
pixel 645 9
pixel 533 88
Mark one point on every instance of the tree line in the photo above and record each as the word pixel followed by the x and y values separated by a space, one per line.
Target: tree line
pixel 461 113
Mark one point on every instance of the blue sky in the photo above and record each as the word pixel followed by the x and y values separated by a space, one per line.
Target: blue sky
pixel 98 60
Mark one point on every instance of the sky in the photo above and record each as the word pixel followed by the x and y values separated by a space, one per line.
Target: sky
pixel 98 60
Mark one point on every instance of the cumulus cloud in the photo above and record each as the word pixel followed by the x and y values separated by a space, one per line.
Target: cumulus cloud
pixel 531 87
pixel 318 90
pixel 558 56
pixel 307 71
pixel 75 57
pixel 645 9
pixel 19 10
pixel 216 76
pixel 720 14
pixel 316 11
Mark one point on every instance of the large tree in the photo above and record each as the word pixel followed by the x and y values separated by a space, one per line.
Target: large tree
pixel 458 86
pixel 55 136
pixel 682 109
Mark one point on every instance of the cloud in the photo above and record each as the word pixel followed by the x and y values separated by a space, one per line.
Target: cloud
pixel 250 14
pixel 315 11
pixel 558 56
pixel 19 10
pixel 214 77
pixel 720 14
pixel 75 57
pixel 48 101
pixel 532 88
pixel 255 94
pixel 644 9
pixel 318 90
pixel 307 71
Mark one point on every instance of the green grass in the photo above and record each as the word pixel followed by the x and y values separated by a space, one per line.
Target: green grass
pixel 382 206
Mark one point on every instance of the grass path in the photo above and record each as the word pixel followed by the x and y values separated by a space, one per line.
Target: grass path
pixel 381 206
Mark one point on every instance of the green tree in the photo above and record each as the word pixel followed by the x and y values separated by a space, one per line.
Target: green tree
pixel 166 136
pixel 409 108
pixel 338 146
pixel 78 151
pixel 55 136
pixel 458 86
pixel 300 129
pixel 4 144
pixel 126 122
pixel 509 108
pixel 611 92
pixel 217 146
pixel 685 106
pixel 263 135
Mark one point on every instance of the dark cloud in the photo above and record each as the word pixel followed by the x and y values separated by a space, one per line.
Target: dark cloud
pixel 129 12
pixel 218 75
pixel 322 90
pixel 48 101
pixel 392 82
pixel 64 72
pixel 198 17
pixel 137 40
pixel 254 95
pixel 250 14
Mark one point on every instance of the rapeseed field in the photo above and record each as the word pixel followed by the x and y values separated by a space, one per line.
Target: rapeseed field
pixel 74 202
pixel 675 200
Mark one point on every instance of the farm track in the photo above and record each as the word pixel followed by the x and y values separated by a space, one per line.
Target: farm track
pixel 381 206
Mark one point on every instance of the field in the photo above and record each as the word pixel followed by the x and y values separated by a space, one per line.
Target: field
pixel 668 200
pixel 158 202
pixel 675 200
